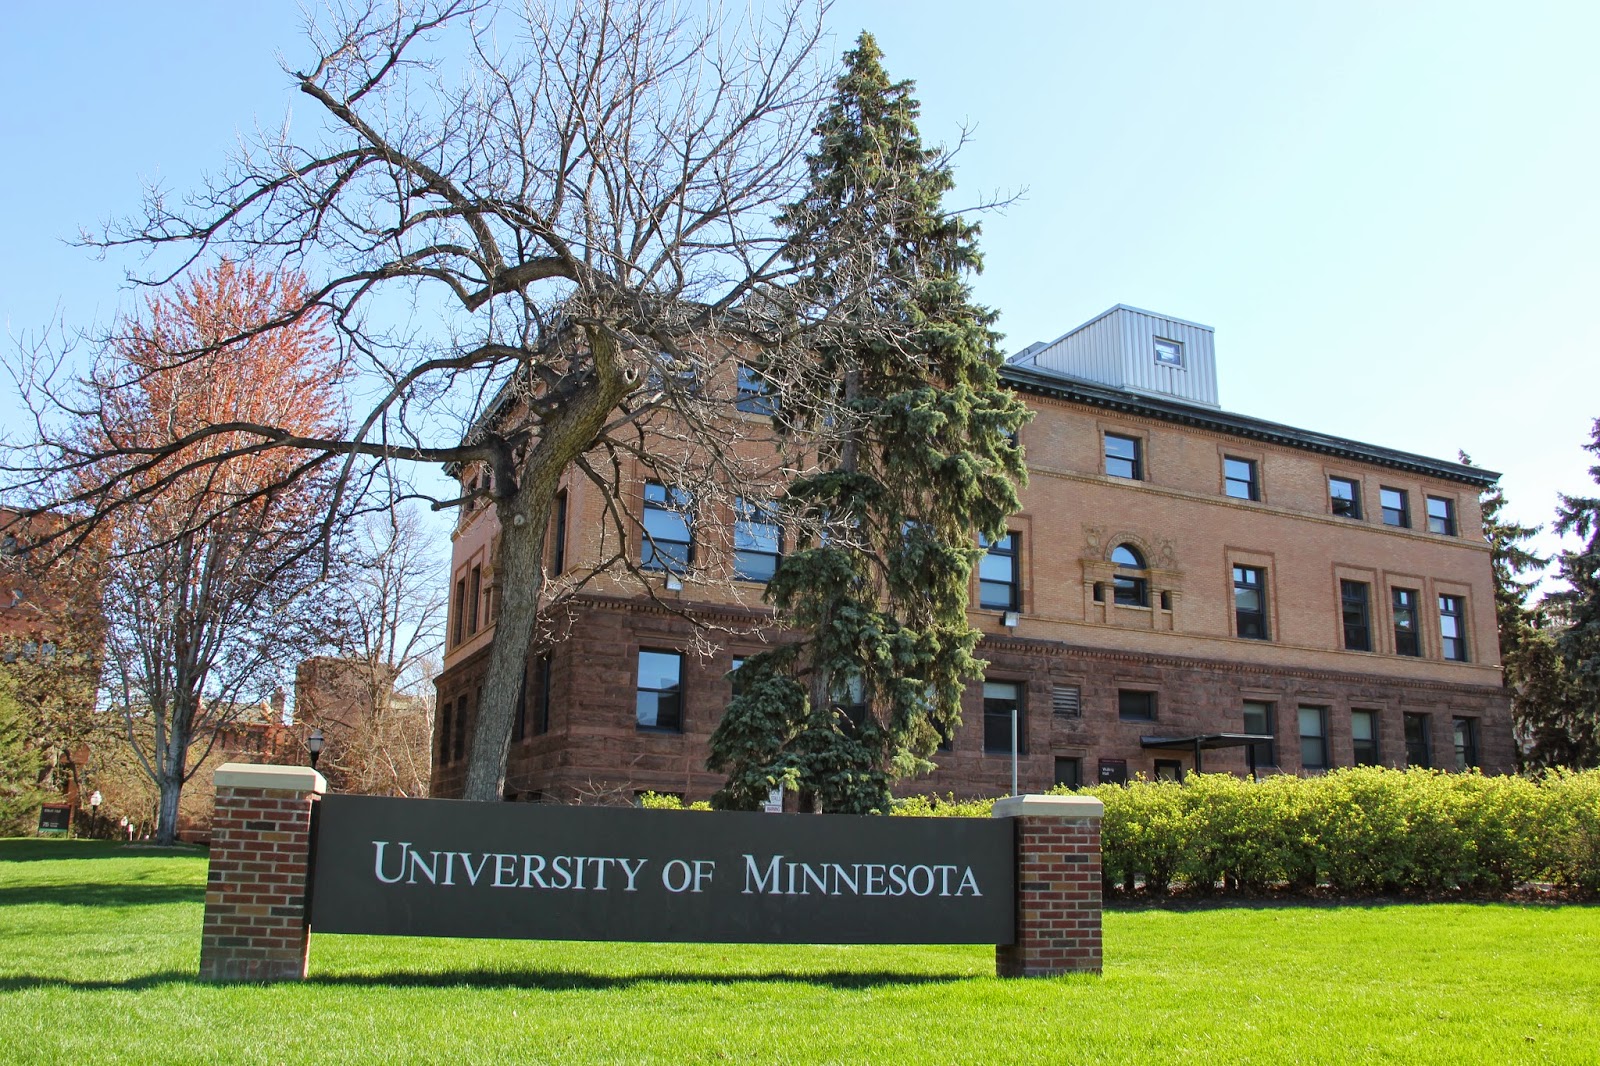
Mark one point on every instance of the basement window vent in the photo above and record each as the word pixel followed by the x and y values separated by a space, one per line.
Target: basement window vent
pixel 1066 701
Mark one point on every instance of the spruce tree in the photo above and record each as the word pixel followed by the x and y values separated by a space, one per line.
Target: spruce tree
pixel 915 454
pixel 1578 607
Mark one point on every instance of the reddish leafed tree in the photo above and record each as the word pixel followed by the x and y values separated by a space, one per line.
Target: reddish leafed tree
pixel 213 556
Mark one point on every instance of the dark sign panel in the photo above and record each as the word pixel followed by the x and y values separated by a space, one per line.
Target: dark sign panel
pixel 451 868
pixel 55 818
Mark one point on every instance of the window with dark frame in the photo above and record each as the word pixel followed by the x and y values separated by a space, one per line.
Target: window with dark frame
pixel 1344 496
pixel 1123 458
pixel 1466 737
pixel 1130 585
pixel 474 599
pixel 998 587
pixel 1250 602
pixel 1069 771
pixel 1396 504
pixel 1134 705
pixel 1258 719
pixel 1239 478
pixel 1452 635
pixel 459 630
pixel 1407 639
pixel 1314 738
pixel 458 747
pixel 757 540
pixel 445 722
pixel 1441 516
pixel 1169 353
pixel 1169 770
pixel 1002 699
pixel 658 699
pixel 669 538
pixel 1419 739
pixel 1356 618
pixel 1364 737
pixel 541 695
pixel 754 392
pixel 558 555
pixel 519 724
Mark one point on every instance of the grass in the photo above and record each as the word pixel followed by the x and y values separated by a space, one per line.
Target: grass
pixel 99 946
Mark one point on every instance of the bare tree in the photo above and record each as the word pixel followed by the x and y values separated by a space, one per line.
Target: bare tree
pixel 548 224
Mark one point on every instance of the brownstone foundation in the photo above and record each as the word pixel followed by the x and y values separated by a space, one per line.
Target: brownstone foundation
pixel 1058 886
pixel 255 921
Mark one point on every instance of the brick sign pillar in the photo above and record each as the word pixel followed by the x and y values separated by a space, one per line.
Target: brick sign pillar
pixel 256 922
pixel 1058 886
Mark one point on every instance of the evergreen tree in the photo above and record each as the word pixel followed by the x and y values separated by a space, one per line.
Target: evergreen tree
pixel 19 763
pixel 916 453
pixel 1578 606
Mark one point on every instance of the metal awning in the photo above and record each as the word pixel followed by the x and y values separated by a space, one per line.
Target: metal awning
pixel 1209 741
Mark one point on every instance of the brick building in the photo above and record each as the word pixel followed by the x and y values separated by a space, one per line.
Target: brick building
pixel 1179 577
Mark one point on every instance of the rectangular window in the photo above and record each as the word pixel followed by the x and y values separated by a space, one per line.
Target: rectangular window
pixel 998 587
pixel 1239 479
pixel 1441 516
pixel 1169 770
pixel 1314 738
pixel 658 700
pixel 1452 635
pixel 1135 706
pixel 444 732
pixel 1344 496
pixel 1466 734
pixel 519 725
pixel 1250 602
pixel 1066 701
pixel 474 599
pixel 1069 772
pixel 1169 353
pixel 755 392
pixel 1364 737
pixel 1122 457
pixel 1353 607
pixel 1002 700
pixel 1406 631
pixel 669 540
pixel 460 632
pixel 541 695
pixel 558 556
pixel 1396 505
pixel 1258 719
pixel 756 540
pixel 1419 743
pixel 458 744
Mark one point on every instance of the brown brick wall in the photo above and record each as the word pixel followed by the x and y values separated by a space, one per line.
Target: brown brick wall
pixel 1058 889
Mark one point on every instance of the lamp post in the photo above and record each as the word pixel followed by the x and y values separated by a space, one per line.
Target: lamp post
pixel 314 745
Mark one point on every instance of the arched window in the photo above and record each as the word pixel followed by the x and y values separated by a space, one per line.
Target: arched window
pixel 1131 587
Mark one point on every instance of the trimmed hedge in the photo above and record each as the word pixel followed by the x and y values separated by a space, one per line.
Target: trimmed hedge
pixel 1361 831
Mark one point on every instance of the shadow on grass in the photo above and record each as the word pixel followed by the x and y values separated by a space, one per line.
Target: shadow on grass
pixel 529 980
pixel 27 849
pixel 102 895
pixel 1180 904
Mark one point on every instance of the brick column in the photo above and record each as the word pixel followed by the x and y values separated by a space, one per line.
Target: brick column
pixel 256 923
pixel 1058 886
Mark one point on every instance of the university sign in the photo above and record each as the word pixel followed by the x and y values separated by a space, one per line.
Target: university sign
pixel 449 868
pixel 287 861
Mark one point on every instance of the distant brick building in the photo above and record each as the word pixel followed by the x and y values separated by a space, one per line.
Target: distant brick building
pixel 1178 577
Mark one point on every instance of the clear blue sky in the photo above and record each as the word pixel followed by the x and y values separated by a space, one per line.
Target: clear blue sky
pixel 1386 210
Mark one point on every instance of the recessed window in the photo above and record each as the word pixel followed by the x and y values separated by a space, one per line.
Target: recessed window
pixel 1123 457
pixel 1364 737
pixel 460 630
pixel 474 599
pixel 459 744
pixel 1002 701
pixel 1130 584
pixel 445 715
pixel 1069 772
pixel 756 540
pixel 558 531
pixel 1353 609
pixel 1406 638
pixel 1396 504
pixel 998 588
pixel 1169 770
pixel 1419 744
pixel 1314 738
pixel 1344 497
pixel 1250 602
pixel 1239 479
pixel 1258 719
pixel 754 392
pixel 1452 635
pixel 1466 736
pixel 658 699
pixel 1135 706
pixel 669 541
pixel 1441 516
pixel 1169 353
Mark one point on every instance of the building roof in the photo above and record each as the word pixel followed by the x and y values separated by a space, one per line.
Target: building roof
pixel 1032 380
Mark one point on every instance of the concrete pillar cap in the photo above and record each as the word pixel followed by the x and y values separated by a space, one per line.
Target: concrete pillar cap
pixel 1049 807
pixel 266 775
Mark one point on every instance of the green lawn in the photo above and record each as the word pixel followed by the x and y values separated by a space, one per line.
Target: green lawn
pixel 99 945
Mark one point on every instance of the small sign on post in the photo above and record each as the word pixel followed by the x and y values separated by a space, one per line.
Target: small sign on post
pixel 55 818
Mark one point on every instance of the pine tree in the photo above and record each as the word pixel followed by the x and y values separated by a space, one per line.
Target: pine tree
pixel 916 452
pixel 1578 605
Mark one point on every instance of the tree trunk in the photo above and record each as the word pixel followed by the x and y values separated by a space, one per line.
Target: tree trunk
pixel 167 817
